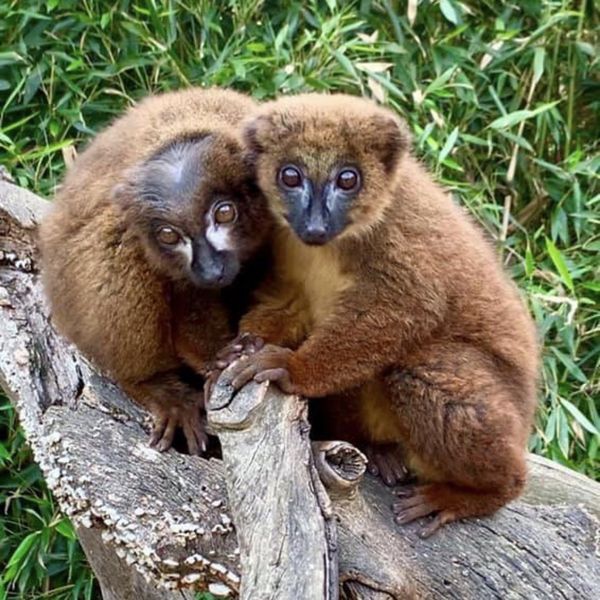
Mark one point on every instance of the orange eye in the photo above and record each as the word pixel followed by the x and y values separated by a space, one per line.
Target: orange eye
pixel 168 236
pixel 347 180
pixel 225 212
pixel 290 177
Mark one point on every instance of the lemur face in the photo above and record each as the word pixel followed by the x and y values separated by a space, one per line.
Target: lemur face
pixel 325 163
pixel 318 206
pixel 196 210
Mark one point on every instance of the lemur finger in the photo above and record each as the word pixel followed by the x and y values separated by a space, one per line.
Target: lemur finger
pixel 223 363
pixel 438 521
pixel 226 360
pixel 167 439
pixel 278 375
pixel 373 469
pixel 244 376
pixel 229 349
pixel 160 422
pixel 406 491
pixel 398 468
pixel 371 462
pixel 202 438
pixel 200 432
pixel 386 471
pixel 191 438
pixel 254 345
pixel 209 384
pixel 412 513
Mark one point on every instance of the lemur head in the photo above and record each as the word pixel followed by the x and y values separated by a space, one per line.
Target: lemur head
pixel 195 209
pixel 326 163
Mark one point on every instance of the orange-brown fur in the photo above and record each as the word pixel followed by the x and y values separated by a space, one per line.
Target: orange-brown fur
pixel 407 316
pixel 131 319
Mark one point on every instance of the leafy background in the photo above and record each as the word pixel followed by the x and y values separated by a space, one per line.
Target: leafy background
pixel 504 102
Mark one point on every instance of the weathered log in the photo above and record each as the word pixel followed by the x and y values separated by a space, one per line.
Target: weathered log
pixel 267 454
pixel 147 519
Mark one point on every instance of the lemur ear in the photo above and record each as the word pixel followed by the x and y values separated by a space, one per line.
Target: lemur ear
pixel 253 135
pixel 390 138
pixel 175 167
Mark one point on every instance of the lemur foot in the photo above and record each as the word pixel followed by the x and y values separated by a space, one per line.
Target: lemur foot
pixel 187 417
pixel 387 462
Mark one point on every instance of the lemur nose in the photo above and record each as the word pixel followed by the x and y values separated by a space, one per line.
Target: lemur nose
pixel 208 264
pixel 214 271
pixel 316 234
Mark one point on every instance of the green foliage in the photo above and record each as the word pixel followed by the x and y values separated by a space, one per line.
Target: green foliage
pixel 503 99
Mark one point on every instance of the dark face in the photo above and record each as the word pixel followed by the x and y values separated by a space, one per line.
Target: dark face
pixel 194 209
pixel 317 208
pixel 205 255
pixel 326 163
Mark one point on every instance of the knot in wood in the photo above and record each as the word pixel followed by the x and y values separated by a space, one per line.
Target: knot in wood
pixel 341 466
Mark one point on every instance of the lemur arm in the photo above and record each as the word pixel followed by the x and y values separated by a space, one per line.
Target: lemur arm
pixel 353 347
pixel 365 334
pixel 279 315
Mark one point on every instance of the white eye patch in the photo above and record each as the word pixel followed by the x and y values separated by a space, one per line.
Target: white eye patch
pixel 185 248
pixel 218 236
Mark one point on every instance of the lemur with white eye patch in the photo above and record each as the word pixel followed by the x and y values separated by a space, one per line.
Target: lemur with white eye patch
pixel 148 232
pixel 384 294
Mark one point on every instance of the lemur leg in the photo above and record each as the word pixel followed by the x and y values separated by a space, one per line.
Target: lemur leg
pixel 281 325
pixel 173 404
pixel 380 424
pixel 343 416
pixel 462 431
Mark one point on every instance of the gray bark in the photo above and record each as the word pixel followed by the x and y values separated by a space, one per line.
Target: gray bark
pixel 267 454
pixel 161 525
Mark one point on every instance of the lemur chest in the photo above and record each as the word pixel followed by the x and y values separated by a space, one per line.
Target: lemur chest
pixel 316 275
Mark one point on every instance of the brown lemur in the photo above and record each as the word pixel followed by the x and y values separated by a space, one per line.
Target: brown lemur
pixel 147 234
pixel 385 295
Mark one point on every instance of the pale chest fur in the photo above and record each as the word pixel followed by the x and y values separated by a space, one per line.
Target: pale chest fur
pixel 314 272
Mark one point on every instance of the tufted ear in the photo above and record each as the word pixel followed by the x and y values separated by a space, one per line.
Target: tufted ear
pixel 389 139
pixel 254 135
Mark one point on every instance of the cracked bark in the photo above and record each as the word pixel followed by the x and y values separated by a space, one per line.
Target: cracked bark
pixel 160 525
pixel 285 523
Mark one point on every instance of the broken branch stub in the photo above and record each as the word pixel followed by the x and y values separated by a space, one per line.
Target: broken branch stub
pixel 341 467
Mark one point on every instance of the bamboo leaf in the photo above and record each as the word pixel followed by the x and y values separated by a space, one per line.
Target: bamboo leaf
pixel 538 63
pixel 514 118
pixel 563 432
pixel 15 564
pixel 560 264
pixel 580 417
pixel 571 367
pixel 449 11
pixel 447 147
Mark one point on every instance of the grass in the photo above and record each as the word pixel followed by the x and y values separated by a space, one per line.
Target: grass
pixel 504 102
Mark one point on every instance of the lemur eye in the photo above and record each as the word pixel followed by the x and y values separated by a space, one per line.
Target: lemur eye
pixel 347 179
pixel 290 177
pixel 225 212
pixel 167 235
